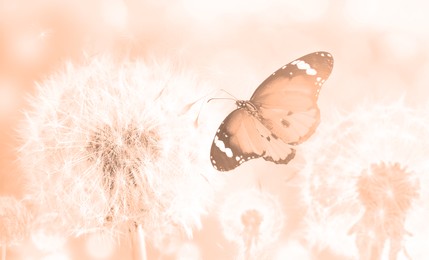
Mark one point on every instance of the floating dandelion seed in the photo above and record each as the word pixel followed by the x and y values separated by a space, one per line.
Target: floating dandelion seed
pixel 105 149
pixel 364 172
pixel 253 219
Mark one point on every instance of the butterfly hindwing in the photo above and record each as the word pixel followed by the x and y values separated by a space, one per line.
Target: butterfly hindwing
pixel 227 144
pixel 235 142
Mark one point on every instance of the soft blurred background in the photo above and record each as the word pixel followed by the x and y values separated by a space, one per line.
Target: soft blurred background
pixel 380 51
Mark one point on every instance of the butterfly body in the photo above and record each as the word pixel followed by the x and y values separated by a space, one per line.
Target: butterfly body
pixel 281 113
pixel 248 105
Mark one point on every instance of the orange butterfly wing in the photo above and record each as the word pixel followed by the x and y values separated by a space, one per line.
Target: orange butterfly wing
pixel 287 100
pixel 242 137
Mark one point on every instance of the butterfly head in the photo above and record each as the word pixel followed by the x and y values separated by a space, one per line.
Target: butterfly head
pixel 249 106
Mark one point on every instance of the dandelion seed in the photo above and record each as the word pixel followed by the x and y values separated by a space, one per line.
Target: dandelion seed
pixel 364 171
pixel 253 219
pixel 104 148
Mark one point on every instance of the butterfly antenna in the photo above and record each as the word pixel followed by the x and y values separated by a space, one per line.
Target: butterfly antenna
pixel 187 107
pixel 223 90
pixel 201 108
pixel 210 99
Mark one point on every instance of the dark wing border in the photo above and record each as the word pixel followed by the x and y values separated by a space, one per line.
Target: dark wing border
pixel 322 61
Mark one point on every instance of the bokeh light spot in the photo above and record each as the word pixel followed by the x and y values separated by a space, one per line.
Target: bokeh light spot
pixel 188 251
pixel 47 242
pixel 100 247
pixel 8 98
pixel 115 13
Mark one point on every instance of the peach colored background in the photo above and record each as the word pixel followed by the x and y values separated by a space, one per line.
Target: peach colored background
pixel 380 50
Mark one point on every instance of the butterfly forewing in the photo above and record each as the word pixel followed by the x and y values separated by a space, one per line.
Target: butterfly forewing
pixel 281 113
pixel 287 99
pixel 314 67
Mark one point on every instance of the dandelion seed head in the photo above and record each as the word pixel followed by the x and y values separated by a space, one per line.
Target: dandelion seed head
pixel 14 221
pixel 106 144
pixel 251 216
pixel 251 219
pixel 387 187
pixel 365 166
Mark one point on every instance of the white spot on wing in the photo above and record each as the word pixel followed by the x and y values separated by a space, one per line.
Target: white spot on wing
pixel 311 71
pixel 302 65
pixel 221 145
pixel 228 152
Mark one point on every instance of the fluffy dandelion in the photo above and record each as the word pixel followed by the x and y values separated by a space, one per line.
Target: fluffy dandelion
pixel 386 193
pixel 111 145
pixel 253 219
pixel 364 174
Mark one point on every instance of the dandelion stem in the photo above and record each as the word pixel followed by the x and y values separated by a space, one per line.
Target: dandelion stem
pixel 138 243
pixel 247 253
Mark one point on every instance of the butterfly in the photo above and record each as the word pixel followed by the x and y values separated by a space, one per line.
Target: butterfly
pixel 281 113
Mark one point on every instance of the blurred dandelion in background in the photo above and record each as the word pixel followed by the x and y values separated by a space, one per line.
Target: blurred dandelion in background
pixel 365 171
pixel 110 145
pixel 253 219
pixel 386 192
